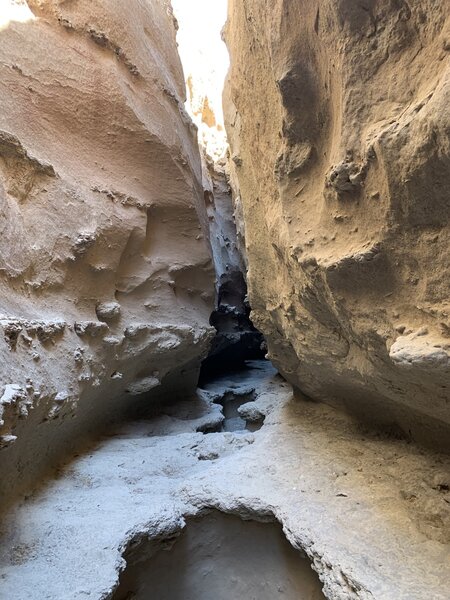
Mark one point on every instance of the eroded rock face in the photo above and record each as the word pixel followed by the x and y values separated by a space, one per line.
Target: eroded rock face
pixel 106 278
pixel 338 118
pixel 236 339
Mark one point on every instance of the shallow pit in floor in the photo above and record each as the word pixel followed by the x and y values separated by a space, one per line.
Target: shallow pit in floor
pixel 219 557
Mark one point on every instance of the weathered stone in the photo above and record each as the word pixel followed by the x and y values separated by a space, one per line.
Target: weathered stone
pixel 340 116
pixel 371 513
pixel 100 194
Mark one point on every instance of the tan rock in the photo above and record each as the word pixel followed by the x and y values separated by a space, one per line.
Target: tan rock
pixel 101 216
pixel 338 118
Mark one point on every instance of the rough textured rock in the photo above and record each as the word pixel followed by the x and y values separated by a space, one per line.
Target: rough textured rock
pixel 371 513
pixel 338 118
pixel 237 339
pixel 105 275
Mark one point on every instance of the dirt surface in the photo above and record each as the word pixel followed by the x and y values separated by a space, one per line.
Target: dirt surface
pixel 222 557
pixel 371 513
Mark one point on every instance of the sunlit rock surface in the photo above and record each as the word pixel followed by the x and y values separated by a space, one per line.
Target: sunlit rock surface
pixel 106 279
pixel 205 63
pixel 338 118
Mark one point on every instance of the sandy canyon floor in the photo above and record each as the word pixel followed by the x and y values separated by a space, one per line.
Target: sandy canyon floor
pixel 371 514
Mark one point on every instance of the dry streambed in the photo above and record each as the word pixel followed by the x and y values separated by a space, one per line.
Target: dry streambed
pixel 181 497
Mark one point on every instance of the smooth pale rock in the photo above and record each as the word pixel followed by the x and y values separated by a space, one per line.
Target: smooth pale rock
pixel 415 351
pixel 141 386
pixel 338 117
pixel 100 196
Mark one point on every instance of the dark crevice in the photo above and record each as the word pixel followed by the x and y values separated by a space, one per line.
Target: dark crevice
pixel 231 403
pixel 237 339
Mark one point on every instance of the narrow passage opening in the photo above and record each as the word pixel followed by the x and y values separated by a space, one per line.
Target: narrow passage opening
pixel 205 62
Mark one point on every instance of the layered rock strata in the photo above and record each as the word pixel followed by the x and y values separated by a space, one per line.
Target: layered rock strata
pixel 338 119
pixel 106 277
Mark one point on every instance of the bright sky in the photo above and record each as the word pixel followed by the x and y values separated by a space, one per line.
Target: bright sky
pixel 14 10
pixel 203 54
pixel 205 60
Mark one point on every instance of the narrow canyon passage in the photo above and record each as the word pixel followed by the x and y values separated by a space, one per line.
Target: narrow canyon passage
pixel 224 300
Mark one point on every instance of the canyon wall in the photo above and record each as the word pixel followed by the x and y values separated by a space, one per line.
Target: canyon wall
pixel 338 117
pixel 105 272
pixel 236 339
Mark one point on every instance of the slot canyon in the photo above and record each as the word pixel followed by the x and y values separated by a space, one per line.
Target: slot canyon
pixel 225 299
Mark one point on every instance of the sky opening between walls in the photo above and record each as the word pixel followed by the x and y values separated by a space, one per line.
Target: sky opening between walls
pixel 205 63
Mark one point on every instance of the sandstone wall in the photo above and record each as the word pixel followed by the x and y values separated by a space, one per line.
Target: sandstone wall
pixel 236 340
pixel 338 116
pixel 105 275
